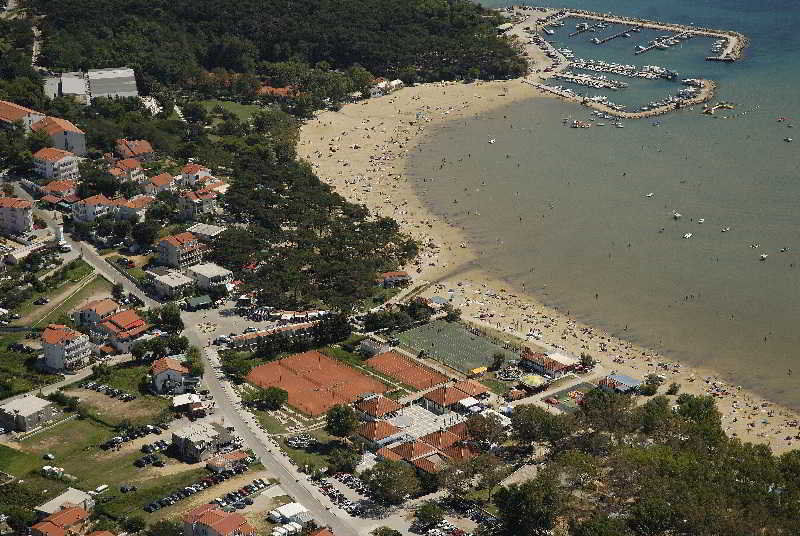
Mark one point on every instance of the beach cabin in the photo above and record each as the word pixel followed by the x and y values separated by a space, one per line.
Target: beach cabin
pixel 619 383
pixel 553 365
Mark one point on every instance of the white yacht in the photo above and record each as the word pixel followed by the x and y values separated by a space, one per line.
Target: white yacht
pixel 687 235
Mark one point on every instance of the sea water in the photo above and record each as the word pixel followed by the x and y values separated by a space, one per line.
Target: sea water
pixel 565 211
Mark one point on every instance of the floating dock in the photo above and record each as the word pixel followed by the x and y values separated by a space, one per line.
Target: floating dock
pixel 587 29
pixel 618 34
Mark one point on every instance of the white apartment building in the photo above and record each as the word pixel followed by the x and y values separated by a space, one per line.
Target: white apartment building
pixel 56 164
pixel 91 208
pixel 209 275
pixel 64 134
pixel 180 251
pixel 16 215
pixel 64 348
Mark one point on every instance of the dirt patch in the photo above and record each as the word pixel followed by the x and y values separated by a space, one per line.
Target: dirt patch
pixel 112 410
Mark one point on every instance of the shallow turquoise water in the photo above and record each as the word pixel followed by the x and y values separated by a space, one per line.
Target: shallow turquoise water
pixel 587 228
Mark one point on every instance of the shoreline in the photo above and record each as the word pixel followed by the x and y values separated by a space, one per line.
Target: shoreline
pixel 363 153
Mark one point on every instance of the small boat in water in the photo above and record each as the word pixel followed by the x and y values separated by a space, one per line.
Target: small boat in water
pixel 701 220
pixel 676 215
pixel 726 229
pixel 687 235
pixel 763 257
pixel 787 139
pixel 651 194
pixel 492 140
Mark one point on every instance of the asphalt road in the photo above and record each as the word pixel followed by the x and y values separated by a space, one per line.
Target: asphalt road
pixel 87 252
pixel 290 482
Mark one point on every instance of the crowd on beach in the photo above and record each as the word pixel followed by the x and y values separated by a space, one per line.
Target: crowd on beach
pixel 362 150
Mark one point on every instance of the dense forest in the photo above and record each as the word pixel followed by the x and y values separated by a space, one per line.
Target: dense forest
pixel 171 41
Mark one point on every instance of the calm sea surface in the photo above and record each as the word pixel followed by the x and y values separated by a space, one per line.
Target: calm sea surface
pixel 564 211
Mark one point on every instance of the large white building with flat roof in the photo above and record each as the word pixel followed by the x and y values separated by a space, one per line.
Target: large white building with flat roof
pixel 112 82
pixel 209 275
pixel 26 413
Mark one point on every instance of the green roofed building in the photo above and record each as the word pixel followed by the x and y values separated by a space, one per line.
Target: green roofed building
pixel 198 302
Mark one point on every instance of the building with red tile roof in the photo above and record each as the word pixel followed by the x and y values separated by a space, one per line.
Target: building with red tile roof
pixel 11 113
pixel 168 375
pixel 16 215
pixel 472 388
pixel 123 328
pixel 209 520
pixel 135 209
pixel 140 149
pixel 89 209
pixel 160 183
pixel 59 188
pixel 64 134
pixel 324 531
pixel 552 365
pixel 197 203
pixel 460 453
pixel 376 407
pixel 64 348
pixel 95 311
pixel 412 450
pixel 440 439
pixel 432 463
pixel 180 250
pixel 129 169
pixel 441 399
pixel 66 522
pixel 378 431
pixel 56 164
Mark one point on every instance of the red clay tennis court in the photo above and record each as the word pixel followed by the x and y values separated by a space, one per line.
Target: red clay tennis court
pixel 314 381
pixel 406 370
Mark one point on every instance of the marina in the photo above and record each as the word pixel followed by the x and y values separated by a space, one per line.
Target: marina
pixel 537 27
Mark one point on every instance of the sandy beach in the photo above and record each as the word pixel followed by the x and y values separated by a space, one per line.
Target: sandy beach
pixel 362 150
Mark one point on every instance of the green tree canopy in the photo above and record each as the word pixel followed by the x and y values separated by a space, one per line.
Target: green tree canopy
pixel 341 420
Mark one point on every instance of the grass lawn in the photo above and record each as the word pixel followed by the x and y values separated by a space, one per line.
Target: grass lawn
pixel 17 372
pixel 314 457
pixel 149 490
pixel 136 273
pixel 75 447
pixel 270 423
pixel 126 377
pixel 242 111
pixel 98 287
pixel 17 462
pixel 498 387
pixel 71 277
pixel 171 229
pixel 379 296
pixel 452 344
